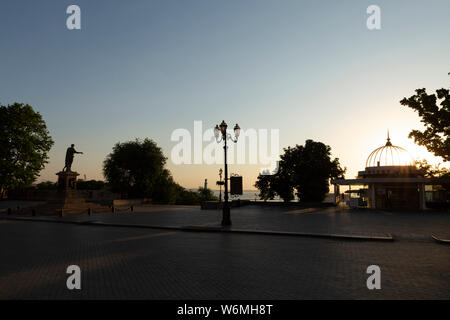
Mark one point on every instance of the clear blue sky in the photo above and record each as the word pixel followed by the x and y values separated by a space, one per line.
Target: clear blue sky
pixel 144 68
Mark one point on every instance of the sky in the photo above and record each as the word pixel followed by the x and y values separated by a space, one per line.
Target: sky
pixel 137 69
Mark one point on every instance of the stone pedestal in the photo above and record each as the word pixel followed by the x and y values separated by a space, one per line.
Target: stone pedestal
pixel 67 181
pixel 66 200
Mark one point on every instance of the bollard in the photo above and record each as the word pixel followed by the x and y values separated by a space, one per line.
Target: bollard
pixel 61 213
pixel 9 211
pixel 113 210
pixel 131 208
pixel 90 211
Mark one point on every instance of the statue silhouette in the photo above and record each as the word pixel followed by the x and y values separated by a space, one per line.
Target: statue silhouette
pixel 69 158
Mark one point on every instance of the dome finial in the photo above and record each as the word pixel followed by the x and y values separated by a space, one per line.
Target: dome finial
pixel 388 142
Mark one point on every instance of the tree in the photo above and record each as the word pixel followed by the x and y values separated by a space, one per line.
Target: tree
pixel 206 194
pixel 436 118
pixel 24 145
pixel 90 185
pixel 283 184
pixel 310 167
pixel 167 190
pixel 429 171
pixel 46 185
pixel 265 185
pixel 136 168
pixel 306 169
pixel 187 197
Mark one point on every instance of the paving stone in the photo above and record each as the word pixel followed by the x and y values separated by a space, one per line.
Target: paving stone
pixel 133 263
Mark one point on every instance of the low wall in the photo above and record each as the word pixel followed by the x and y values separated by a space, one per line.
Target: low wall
pixel 214 205
pixel 293 204
pixel 127 202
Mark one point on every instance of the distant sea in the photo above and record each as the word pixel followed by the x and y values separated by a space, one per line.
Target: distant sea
pixel 246 195
pixel 251 194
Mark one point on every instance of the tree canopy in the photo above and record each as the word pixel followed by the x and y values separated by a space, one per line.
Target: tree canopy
pixel 266 186
pixel 429 171
pixel 90 184
pixel 434 110
pixel 135 168
pixel 305 169
pixel 46 185
pixel 24 145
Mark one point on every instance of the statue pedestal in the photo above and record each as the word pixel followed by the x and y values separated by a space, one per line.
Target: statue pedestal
pixel 67 201
pixel 67 198
pixel 67 181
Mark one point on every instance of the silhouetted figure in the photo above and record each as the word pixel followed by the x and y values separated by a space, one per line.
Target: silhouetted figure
pixel 69 158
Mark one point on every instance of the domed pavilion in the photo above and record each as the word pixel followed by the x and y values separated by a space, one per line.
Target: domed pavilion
pixel 390 180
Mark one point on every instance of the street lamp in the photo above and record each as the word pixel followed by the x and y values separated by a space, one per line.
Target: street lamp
pixel 220 132
pixel 220 183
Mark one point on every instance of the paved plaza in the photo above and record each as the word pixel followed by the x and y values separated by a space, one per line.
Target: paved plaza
pixel 132 262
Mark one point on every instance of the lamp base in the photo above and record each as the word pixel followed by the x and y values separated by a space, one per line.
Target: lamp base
pixel 226 217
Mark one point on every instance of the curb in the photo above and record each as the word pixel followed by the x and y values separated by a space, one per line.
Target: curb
pixel 439 240
pixel 385 238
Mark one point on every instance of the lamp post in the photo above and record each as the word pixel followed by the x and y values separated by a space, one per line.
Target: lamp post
pixel 220 184
pixel 220 132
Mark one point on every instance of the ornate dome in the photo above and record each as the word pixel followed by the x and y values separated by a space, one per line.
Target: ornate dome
pixel 389 155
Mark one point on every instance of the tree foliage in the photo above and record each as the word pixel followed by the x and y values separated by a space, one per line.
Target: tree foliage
pixel 435 115
pixel 24 145
pixel 46 185
pixel 90 185
pixel 266 186
pixel 305 169
pixel 206 194
pixel 190 197
pixel 136 168
pixel 429 171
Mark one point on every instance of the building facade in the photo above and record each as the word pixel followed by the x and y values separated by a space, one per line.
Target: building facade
pixel 390 180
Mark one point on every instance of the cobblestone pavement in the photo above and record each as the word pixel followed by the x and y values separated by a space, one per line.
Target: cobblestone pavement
pixel 417 226
pixel 133 263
